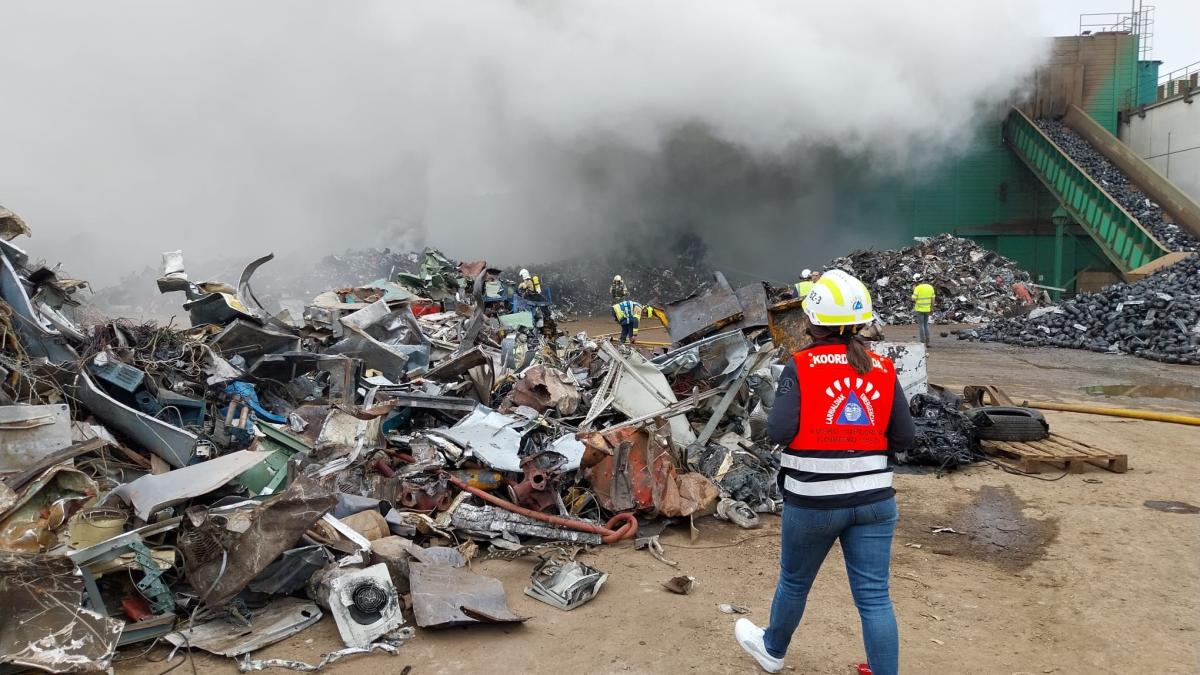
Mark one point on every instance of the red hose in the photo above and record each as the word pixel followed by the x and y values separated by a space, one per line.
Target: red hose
pixel 383 468
pixel 608 535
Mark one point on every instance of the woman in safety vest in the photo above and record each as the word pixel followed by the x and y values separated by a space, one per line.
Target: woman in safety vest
pixel 839 410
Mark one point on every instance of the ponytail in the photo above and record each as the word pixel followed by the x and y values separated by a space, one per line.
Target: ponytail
pixel 857 356
pixel 856 347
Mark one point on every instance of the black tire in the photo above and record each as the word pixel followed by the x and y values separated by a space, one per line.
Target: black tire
pixel 1009 423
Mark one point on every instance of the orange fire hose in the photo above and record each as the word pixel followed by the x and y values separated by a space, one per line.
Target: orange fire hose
pixel 608 535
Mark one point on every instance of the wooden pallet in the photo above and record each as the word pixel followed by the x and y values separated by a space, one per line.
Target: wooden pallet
pixel 1059 451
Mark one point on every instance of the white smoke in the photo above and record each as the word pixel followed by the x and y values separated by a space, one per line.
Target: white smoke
pixel 509 129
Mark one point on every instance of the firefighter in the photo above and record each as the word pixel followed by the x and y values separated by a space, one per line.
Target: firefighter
pixel 627 313
pixel 530 285
pixel 618 290
pixel 839 410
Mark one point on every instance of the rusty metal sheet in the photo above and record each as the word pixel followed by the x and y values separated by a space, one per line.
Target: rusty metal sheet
pixel 44 624
pixel 788 325
pixel 706 311
pixel 454 596
pixel 276 525
pixel 543 388
pixel 753 299
pixel 639 473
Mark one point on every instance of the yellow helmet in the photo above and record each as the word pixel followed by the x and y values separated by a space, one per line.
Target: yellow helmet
pixel 838 299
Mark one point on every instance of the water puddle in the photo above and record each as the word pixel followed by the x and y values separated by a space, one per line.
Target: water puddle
pixel 991 528
pixel 1182 392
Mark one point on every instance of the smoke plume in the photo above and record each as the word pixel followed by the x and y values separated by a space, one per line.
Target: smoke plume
pixel 511 129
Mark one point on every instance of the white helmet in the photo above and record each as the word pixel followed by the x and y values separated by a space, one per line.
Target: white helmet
pixel 838 299
pixel 617 277
pixel 806 273
pixel 524 273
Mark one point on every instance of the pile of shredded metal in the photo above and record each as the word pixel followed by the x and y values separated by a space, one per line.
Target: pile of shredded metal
pixel 945 436
pixel 973 284
pixel 1117 184
pixel 1156 318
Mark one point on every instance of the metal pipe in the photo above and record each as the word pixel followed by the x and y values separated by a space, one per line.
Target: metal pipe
pixel 607 534
pixel 1150 415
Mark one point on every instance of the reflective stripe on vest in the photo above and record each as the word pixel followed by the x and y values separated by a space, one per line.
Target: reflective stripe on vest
pixel 841 409
pixel 923 298
pixel 838 486
pixel 843 465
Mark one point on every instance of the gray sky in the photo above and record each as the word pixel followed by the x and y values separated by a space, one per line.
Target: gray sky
pixel 512 129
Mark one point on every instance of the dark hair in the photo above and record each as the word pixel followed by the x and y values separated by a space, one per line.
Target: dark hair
pixel 856 347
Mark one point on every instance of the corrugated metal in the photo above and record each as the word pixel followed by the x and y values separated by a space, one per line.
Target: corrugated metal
pixel 986 186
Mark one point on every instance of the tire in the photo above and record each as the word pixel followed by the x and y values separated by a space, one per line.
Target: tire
pixel 1009 423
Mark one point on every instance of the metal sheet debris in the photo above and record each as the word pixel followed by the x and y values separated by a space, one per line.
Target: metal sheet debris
pixel 44 624
pixel 28 433
pixel 150 494
pixel 453 596
pixel 565 586
pixel 226 636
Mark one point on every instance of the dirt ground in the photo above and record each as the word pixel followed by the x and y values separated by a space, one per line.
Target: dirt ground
pixel 1074 575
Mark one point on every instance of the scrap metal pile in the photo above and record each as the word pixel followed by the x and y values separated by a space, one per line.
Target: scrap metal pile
pixel 1117 184
pixel 655 272
pixel 1156 318
pixel 222 487
pixel 973 284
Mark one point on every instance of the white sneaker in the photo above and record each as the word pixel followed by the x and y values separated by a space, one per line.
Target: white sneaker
pixel 750 637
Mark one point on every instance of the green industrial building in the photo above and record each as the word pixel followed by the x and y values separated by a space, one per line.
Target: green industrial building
pixel 990 195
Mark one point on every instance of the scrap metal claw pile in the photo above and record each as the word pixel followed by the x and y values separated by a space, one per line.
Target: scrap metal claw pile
pixel 224 486
pixel 973 284
pixel 1156 318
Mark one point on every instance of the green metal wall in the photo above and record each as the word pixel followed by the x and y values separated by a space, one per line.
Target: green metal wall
pixel 1147 86
pixel 987 194
pixel 1108 90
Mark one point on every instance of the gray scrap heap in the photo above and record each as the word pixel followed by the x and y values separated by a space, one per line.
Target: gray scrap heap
pixel 224 486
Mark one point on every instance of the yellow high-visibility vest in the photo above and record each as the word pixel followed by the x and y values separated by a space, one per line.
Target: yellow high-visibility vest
pixel 803 288
pixel 922 296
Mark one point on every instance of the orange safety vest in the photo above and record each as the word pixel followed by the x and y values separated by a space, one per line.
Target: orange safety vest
pixel 841 409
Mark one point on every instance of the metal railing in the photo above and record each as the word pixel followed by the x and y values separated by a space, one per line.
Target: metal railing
pixel 1138 21
pixel 1179 81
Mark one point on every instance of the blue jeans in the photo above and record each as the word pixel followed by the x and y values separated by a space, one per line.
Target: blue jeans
pixel 866 535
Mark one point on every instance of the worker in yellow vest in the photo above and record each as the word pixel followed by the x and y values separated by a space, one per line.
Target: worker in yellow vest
pixel 923 296
pixel 804 286
pixel 628 315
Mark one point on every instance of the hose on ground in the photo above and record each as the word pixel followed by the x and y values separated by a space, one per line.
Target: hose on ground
pixel 1150 415
pixel 620 526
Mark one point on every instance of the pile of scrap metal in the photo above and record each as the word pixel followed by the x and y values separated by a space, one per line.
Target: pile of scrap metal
pixel 973 284
pixel 224 486
pixel 1157 318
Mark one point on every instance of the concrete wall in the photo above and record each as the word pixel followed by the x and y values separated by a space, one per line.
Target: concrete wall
pixel 1168 138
